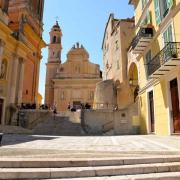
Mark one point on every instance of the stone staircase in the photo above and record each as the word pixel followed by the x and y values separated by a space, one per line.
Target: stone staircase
pixel 59 126
pixel 125 168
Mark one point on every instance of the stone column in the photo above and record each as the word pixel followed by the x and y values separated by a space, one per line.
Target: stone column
pixel 14 75
pixel 21 78
pixel 37 82
pixel 2 44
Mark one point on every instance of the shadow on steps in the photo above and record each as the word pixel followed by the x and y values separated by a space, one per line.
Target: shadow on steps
pixel 59 126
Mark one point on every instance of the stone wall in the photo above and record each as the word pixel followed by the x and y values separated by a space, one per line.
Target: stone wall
pixel 31 118
pixel 121 122
pixel 105 95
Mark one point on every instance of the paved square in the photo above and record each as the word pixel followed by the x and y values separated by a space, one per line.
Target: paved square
pixel 111 145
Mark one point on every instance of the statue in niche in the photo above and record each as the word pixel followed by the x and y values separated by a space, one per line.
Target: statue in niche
pixel 3 69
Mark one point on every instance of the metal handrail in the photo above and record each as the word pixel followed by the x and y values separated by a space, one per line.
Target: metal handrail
pixel 171 50
pixel 143 32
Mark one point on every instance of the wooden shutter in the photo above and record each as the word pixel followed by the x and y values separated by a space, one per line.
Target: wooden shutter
pixel 149 17
pixel 165 37
pixel 157 11
pixel 170 37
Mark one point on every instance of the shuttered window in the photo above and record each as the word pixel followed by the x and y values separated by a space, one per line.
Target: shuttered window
pixel 162 8
pixel 167 35
pixel 144 2
pixel 169 3
pixel 147 60
pixel 157 11
pixel 147 19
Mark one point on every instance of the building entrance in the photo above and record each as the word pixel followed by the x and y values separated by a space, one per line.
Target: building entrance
pixel 1 110
pixel 77 104
pixel 175 105
pixel 151 108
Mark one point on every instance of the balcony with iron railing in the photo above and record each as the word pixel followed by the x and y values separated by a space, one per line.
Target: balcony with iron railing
pixel 167 59
pixel 142 40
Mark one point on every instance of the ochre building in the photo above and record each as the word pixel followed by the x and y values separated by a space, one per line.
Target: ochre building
pixel 154 59
pixel 72 82
pixel 117 38
pixel 20 53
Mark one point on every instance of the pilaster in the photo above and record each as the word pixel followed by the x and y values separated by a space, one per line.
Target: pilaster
pixel 2 44
pixel 14 75
pixel 21 78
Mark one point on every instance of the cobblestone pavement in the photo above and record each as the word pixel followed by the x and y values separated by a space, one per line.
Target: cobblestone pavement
pixel 124 144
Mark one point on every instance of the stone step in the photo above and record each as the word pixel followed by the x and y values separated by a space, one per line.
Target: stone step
pixel 96 171
pixel 151 176
pixel 69 162
pixel 80 162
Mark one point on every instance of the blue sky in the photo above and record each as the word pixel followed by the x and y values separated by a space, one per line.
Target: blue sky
pixel 81 21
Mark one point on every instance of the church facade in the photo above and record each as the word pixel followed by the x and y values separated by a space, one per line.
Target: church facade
pixel 72 82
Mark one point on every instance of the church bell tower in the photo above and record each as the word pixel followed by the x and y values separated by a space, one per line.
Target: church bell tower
pixel 55 46
pixel 54 60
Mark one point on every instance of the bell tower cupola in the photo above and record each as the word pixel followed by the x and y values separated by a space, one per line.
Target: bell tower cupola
pixel 55 46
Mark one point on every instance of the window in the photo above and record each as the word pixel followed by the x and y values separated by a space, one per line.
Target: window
pixel 167 35
pixel 147 60
pixel 54 39
pixel 144 2
pixel 3 71
pixel 77 69
pixel 62 95
pixel 162 8
pixel 147 19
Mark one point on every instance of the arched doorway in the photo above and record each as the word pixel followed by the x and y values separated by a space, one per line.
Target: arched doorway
pixel 133 80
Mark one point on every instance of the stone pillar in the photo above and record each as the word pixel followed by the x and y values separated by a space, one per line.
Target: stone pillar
pixel 14 75
pixel 1 52
pixel 21 78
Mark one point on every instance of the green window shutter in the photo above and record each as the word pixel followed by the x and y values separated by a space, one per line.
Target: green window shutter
pixel 170 37
pixel 149 17
pixel 142 3
pixel 167 35
pixel 147 60
pixel 148 56
pixel 169 3
pixel 157 11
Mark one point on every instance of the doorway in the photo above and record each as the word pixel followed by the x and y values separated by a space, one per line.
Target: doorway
pixel 175 105
pixel 151 110
pixel 1 110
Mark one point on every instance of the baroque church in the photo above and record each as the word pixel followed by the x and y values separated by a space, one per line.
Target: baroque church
pixel 73 82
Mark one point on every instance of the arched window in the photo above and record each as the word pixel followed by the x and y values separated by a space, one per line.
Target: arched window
pixel 3 69
pixel 54 39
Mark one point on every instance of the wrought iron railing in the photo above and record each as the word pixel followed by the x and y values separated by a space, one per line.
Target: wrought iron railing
pixel 143 32
pixel 171 50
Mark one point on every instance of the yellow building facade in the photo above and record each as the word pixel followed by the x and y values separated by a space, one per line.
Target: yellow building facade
pixel 154 55
pixel 19 45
